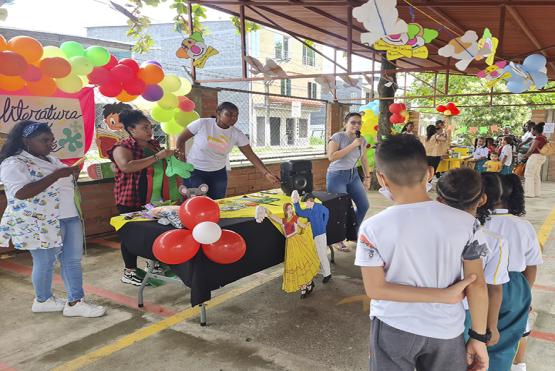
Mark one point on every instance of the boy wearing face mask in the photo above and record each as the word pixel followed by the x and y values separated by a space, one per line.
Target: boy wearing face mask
pixel 423 246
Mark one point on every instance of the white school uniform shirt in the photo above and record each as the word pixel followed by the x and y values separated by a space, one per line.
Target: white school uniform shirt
pixel 421 245
pixel 506 155
pixel 480 152
pixel 496 262
pixel 212 144
pixel 524 247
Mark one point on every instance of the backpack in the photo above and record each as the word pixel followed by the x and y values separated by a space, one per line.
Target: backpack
pixel 548 149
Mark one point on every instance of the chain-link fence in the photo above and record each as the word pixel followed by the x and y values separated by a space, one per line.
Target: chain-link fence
pixel 278 126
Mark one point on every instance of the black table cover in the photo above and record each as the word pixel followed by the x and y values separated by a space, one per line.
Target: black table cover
pixel 265 246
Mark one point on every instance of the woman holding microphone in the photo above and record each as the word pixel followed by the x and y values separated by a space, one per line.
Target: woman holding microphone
pixel 345 149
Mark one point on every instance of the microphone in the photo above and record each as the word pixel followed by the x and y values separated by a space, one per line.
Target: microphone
pixel 357 133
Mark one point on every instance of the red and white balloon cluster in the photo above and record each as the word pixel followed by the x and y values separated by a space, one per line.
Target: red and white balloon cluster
pixel 399 113
pixel 200 216
pixel 450 109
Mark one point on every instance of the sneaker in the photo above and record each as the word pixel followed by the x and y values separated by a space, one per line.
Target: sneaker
pixel 519 367
pixel 82 309
pixel 130 277
pixel 327 279
pixel 53 304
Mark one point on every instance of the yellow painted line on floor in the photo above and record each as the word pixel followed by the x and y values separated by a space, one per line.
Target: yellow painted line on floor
pixel 546 228
pixel 155 328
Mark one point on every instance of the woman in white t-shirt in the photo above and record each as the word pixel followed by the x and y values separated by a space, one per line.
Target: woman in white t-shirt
pixel 43 217
pixel 214 140
pixel 506 155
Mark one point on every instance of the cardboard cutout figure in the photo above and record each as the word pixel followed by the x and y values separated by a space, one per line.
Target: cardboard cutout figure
pixel 411 44
pixel 464 48
pixel 111 130
pixel 380 18
pixel 532 72
pixel 194 48
pixel 494 74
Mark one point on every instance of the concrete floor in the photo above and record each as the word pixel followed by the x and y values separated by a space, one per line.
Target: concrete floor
pixel 252 324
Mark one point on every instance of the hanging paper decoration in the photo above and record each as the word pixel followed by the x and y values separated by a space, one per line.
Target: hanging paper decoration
pixel 462 130
pixel 380 18
pixel 531 73
pixel 494 128
pixel 472 130
pixel 464 48
pixel 407 45
pixel 494 73
pixel 270 70
pixel 489 42
pixel 450 109
pixel 483 129
pixel 327 83
pixel 194 48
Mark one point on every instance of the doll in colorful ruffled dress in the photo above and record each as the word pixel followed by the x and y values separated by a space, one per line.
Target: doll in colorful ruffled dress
pixel 301 262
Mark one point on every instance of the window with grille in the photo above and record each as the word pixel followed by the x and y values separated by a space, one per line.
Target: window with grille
pixel 303 128
pixel 281 47
pixel 286 87
pixel 309 57
pixel 312 90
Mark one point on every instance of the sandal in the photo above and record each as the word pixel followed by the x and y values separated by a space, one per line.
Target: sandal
pixel 309 288
pixel 304 293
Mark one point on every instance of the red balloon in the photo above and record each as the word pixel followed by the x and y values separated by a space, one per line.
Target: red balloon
pixel 403 107
pixel 135 86
pixel 122 73
pixel 441 108
pixel 451 106
pixel 131 64
pixel 111 63
pixel 231 247
pixel 12 64
pixel 99 76
pixel 395 108
pixel 396 119
pixel 198 209
pixel 110 89
pixel 186 105
pixel 175 247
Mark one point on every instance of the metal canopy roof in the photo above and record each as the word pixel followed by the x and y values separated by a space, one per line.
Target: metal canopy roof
pixel 523 27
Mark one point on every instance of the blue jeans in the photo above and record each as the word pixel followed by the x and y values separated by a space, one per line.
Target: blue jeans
pixel 215 180
pixel 506 170
pixel 348 181
pixel 69 254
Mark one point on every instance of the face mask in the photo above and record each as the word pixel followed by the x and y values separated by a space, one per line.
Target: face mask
pixel 386 193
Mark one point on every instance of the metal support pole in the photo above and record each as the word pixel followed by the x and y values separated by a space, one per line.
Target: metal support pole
pixel 202 314
pixel 334 72
pixel 447 76
pixel 349 38
pixel 243 41
pixel 191 30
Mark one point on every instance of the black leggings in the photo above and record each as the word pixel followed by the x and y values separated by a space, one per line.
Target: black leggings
pixel 434 162
pixel 129 259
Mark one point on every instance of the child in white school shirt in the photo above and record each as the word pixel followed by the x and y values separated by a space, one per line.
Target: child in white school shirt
pixel 463 189
pixel 421 244
pixel 502 213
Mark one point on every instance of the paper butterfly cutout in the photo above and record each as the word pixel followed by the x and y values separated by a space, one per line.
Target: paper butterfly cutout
pixel 380 18
pixel 489 42
pixel 410 44
pixel 194 48
pixel 532 72
pixel 270 70
pixel 177 167
pixel 464 48
pixel 494 73
pixel 327 83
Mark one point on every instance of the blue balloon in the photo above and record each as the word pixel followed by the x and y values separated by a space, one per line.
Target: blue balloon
pixel 373 106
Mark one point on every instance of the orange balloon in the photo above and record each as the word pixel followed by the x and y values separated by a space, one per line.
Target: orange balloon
pixel 125 97
pixel 3 43
pixel 45 87
pixel 12 64
pixel 11 83
pixel 27 47
pixel 151 74
pixel 55 67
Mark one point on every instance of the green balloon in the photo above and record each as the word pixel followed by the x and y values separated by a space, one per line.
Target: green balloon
pixel 185 118
pixel 72 49
pixel 80 65
pixel 168 101
pixel 52 52
pixel 160 114
pixel 171 128
pixel 171 83
pixel 98 55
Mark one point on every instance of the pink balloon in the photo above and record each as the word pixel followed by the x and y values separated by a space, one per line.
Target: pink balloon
pixel 186 105
pixel 122 73
pixel 32 73
pixel 131 64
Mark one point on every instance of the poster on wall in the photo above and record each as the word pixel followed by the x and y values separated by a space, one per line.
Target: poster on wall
pixel 71 117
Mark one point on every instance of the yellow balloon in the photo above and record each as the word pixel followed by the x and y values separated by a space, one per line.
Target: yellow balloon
pixel 369 123
pixel 168 101
pixel 52 52
pixel 70 84
pixel 170 83
pixel 185 87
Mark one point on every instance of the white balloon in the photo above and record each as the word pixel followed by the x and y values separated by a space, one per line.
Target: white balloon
pixel 207 232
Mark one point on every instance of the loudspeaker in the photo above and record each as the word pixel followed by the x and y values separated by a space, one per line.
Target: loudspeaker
pixel 296 175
